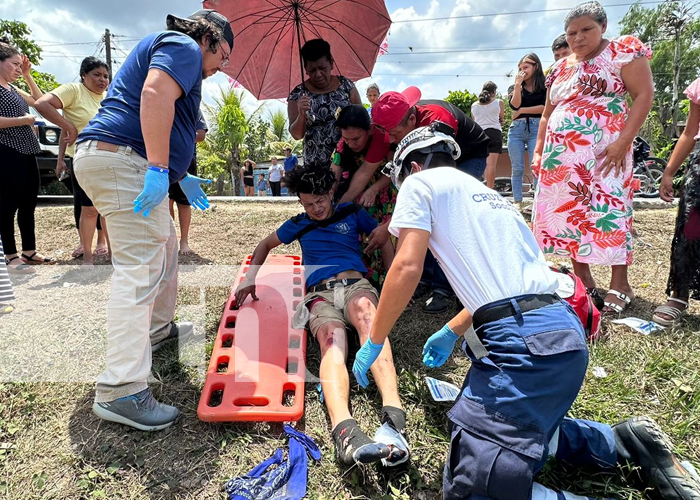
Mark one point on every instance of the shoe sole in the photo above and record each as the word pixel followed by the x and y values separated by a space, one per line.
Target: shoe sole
pixel 113 417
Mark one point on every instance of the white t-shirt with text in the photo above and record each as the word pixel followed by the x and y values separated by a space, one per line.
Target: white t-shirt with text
pixel 480 240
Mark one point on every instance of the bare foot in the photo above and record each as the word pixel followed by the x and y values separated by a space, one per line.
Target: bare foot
pixel 185 249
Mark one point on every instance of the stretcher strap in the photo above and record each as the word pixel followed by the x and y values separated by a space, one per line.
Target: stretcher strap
pixel 476 346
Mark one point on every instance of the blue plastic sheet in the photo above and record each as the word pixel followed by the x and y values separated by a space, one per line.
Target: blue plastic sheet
pixel 277 478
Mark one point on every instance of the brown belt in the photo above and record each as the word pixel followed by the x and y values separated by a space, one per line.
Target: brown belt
pixel 107 146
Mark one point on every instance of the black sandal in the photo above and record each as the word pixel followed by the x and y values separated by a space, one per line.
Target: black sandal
pixel 598 300
pixel 30 259
pixel 20 269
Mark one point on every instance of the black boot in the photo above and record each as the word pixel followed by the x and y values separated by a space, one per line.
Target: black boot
pixel 438 302
pixel 641 442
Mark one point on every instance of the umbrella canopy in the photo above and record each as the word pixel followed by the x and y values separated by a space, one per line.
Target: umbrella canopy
pixel 265 58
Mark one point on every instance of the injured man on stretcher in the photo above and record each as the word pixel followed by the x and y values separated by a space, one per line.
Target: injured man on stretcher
pixel 338 299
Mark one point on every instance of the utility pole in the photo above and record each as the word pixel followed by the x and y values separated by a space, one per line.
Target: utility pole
pixel 108 52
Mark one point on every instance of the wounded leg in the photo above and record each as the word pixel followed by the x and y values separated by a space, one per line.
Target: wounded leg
pixel 361 311
pixel 352 445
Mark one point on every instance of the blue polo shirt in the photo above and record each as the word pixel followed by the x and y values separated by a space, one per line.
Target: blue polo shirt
pixel 330 246
pixel 291 162
pixel 119 119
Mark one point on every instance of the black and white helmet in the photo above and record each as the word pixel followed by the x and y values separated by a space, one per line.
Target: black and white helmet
pixel 435 138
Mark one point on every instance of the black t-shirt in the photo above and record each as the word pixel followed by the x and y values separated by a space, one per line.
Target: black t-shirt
pixel 472 140
pixel 529 99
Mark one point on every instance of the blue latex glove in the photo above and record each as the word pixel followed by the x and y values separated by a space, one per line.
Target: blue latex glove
pixel 191 186
pixel 364 358
pixel 155 190
pixel 439 347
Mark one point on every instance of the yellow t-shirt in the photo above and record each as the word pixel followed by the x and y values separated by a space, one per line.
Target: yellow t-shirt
pixel 79 106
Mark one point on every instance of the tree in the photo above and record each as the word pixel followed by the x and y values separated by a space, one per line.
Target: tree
pixel 278 123
pixel 18 34
pixel 258 139
pixel 221 152
pixel 463 99
pixel 673 33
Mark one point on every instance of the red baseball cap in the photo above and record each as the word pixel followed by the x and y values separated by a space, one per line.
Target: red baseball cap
pixel 391 108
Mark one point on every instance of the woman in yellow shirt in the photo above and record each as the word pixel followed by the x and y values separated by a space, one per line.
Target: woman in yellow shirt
pixel 79 102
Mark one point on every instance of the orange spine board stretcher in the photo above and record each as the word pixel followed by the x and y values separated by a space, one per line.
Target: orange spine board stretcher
pixel 257 367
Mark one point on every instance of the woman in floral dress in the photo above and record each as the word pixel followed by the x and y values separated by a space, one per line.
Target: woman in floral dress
pixel 583 157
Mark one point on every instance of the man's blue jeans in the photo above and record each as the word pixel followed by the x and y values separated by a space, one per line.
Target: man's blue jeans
pixel 474 167
pixel 522 132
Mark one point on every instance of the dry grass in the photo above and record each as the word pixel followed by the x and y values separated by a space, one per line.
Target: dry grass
pixel 51 446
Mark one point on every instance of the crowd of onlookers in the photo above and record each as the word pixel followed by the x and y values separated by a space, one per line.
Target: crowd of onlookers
pixel 576 213
pixel 575 122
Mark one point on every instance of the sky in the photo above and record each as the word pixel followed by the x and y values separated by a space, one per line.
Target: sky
pixel 457 53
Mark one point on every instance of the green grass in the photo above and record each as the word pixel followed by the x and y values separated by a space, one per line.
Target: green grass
pixel 51 446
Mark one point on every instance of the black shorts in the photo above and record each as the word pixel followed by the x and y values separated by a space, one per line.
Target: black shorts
pixel 175 191
pixel 248 181
pixel 496 142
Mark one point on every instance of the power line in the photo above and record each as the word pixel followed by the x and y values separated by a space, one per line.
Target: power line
pixel 459 50
pixel 471 16
pixel 494 75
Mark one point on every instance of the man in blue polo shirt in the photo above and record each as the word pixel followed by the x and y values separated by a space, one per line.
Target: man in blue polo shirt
pixel 290 160
pixel 338 297
pixel 140 141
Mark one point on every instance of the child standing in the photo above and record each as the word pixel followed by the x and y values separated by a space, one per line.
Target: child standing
pixel 262 185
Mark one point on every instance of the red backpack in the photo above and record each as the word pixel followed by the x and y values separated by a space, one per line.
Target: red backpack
pixel 572 289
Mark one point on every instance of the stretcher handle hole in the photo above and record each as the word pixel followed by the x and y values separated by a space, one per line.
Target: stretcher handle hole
pixel 216 397
pixel 297 292
pixel 297 280
pixel 292 366
pixel 227 341
pixel 231 322
pixel 222 365
pixel 289 395
pixel 251 401
pixel 295 342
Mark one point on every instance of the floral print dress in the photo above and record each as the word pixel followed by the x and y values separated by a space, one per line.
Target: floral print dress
pixel 579 213
pixel 321 134
pixel 382 210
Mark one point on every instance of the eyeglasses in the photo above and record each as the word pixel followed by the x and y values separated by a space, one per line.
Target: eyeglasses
pixel 224 61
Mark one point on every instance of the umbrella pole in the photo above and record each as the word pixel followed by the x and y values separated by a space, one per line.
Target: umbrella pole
pixel 297 22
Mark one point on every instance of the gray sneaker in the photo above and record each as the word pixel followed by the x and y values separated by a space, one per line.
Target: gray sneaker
pixel 182 331
pixel 139 410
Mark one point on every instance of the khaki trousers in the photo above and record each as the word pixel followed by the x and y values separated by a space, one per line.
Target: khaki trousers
pixel 144 255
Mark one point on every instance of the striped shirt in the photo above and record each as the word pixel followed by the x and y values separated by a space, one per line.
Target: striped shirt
pixel 6 295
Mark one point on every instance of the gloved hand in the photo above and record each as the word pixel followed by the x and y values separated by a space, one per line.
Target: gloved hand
pixel 439 347
pixel 191 186
pixel 155 190
pixel 364 358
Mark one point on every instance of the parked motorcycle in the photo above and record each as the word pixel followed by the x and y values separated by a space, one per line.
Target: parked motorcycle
pixel 648 170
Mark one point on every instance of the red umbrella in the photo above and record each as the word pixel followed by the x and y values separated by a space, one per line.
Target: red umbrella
pixel 269 33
